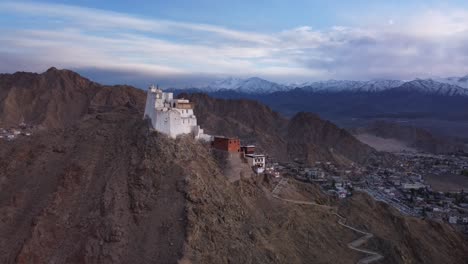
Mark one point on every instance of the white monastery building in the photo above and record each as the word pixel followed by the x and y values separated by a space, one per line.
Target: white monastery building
pixel 170 116
pixel 257 162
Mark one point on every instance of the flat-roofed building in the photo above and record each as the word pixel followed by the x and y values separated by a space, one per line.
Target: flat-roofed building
pixel 249 149
pixel 257 162
pixel 226 143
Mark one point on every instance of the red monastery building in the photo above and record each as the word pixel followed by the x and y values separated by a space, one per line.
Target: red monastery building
pixel 226 144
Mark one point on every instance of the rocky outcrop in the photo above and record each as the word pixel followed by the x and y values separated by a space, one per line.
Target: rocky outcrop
pixel 312 139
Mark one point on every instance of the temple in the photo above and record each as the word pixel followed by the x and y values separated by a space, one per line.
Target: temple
pixel 170 116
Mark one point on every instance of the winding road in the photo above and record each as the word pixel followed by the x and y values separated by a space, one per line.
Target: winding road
pixel 355 244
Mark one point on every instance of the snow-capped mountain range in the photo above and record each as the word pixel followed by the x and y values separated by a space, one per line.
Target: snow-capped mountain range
pixel 444 86
pixel 250 85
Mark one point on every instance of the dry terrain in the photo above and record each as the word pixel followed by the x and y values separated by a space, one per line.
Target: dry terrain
pixel 95 185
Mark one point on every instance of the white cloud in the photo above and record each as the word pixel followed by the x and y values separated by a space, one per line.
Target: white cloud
pixel 430 43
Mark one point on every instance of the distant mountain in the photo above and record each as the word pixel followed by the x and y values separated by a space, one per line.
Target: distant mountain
pixel 444 86
pixel 433 104
pixel 361 86
pixel 228 83
pixel 433 87
pixel 458 81
pixel 252 85
pixel 414 137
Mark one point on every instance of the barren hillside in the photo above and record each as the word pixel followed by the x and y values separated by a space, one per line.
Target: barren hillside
pixel 104 189
pixel 58 98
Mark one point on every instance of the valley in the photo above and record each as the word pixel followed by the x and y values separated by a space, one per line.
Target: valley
pixel 94 184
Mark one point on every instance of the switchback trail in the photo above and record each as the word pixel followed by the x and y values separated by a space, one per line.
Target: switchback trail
pixel 354 245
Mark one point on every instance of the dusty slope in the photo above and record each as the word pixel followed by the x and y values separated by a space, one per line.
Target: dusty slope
pixel 106 191
pixel 102 191
pixel 404 239
pixel 245 224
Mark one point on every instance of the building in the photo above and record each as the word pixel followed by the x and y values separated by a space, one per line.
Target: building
pixel 416 186
pixel 170 116
pixel 453 219
pixel 226 143
pixel 257 162
pixel 250 149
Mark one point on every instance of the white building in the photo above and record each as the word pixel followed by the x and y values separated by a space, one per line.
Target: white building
pixel 416 186
pixel 171 116
pixel 453 219
pixel 256 161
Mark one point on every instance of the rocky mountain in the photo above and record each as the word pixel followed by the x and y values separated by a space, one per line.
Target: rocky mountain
pixel 57 98
pixel 92 193
pixel 312 139
pixel 102 188
pixel 105 190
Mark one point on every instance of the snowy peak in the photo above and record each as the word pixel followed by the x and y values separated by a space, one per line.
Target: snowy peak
pixel 433 87
pixel 361 86
pixel 228 83
pixel 445 86
pixel 458 81
pixel 258 85
pixel 250 85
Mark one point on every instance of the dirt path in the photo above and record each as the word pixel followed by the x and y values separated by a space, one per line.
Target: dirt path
pixel 355 244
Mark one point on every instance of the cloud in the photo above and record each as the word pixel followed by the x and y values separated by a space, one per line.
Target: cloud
pixel 101 19
pixel 91 40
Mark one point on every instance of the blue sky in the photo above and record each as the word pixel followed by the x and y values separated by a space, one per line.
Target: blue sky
pixel 184 42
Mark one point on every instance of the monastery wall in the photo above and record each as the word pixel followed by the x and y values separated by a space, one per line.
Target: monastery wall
pixel 171 116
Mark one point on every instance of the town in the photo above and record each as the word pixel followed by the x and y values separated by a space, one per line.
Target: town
pixel 402 185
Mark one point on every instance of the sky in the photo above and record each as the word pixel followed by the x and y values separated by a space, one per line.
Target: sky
pixel 183 43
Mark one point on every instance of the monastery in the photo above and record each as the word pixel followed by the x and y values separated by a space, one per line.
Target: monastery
pixel 175 117
pixel 170 116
